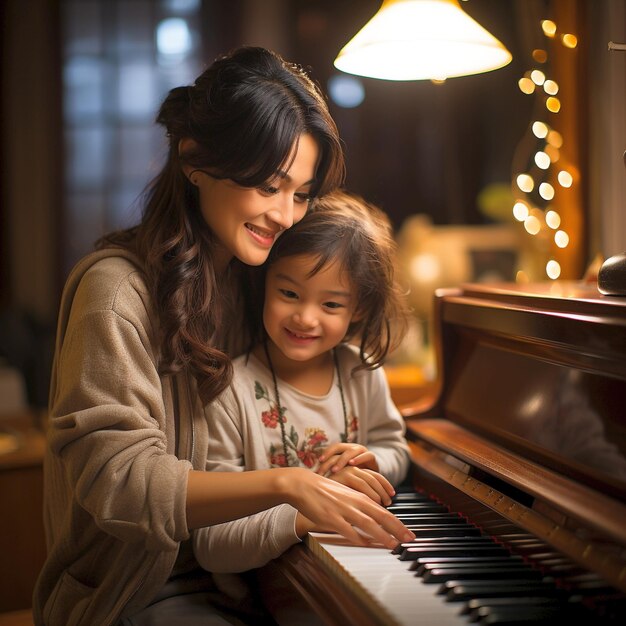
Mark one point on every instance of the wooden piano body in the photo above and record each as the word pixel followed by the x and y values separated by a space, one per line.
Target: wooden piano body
pixel 525 430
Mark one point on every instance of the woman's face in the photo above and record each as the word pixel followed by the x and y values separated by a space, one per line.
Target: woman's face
pixel 246 221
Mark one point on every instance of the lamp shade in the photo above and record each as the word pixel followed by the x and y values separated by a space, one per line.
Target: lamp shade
pixel 421 39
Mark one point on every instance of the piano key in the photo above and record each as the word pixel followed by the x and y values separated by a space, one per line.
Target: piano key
pixel 470 564
pixel 434 541
pixel 477 603
pixel 387 580
pixel 461 590
pixel 513 615
pixel 441 574
pixel 431 532
pixel 410 554
pixel 444 518
pixel 459 560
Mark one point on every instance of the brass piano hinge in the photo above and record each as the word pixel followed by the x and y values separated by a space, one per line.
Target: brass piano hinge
pixel 609 566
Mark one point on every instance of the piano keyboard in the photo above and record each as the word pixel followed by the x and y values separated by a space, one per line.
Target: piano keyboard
pixel 455 572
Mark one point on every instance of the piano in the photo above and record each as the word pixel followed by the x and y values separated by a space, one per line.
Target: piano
pixel 517 487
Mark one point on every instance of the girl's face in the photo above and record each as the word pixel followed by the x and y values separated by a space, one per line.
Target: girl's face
pixel 247 221
pixel 306 316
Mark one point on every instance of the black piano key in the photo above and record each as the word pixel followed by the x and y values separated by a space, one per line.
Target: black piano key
pixel 437 518
pixel 463 590
pixel 410 554
pixel 472 606
pixel 432 532
pixel 471 564
pixel 460 560
pixel 440 575
pixel 513 615
pixel 434 541
pixel 417 507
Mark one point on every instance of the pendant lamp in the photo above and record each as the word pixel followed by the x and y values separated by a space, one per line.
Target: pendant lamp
pixel 421 39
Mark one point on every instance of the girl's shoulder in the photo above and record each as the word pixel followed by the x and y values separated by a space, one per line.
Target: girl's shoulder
pixel 347 356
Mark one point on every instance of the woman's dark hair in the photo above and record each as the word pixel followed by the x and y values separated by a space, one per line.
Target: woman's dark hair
pixel 346 229
pixel 244 114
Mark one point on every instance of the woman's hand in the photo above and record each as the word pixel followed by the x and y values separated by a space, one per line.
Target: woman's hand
pixel 368 482
pixel 331 506
pixel 337 456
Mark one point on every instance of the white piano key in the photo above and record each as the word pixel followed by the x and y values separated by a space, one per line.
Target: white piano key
pixel 390 584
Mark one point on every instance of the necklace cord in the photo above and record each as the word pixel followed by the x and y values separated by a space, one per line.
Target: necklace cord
pixel 279 408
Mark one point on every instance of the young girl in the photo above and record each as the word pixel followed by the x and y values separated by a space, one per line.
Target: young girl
pixel 143 346
pixel 311 392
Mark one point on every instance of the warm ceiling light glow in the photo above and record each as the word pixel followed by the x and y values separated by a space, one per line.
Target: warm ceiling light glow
pixel 549 28
pixel 565 178
pixel 540 130
pixel 561 238
pixel 526 85
pixel 569 41
pixel 553 219
pixel 541 56
pixel 553 269
pixel 551 87
pixel 421 40
pixel 520 211
pixel 538 77
pixel 546 191
pixel 542 160
pixel 525 182
pixel 553 104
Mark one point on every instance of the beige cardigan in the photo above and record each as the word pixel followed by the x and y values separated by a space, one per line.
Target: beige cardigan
pixel 120 447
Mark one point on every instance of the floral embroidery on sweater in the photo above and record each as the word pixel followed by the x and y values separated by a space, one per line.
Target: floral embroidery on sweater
pixel 301 451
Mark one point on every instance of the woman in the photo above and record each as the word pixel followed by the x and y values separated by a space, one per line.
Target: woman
pixel 147 327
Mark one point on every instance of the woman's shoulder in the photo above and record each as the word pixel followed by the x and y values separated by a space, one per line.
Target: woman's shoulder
pixel 109 279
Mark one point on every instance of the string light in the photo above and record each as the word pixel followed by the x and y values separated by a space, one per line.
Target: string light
pixel 535 188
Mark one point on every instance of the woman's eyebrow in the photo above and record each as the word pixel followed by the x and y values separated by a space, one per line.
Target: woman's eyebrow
pixel 286 176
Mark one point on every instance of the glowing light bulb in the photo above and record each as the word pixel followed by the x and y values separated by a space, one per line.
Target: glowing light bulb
pixel 561 238
pixel 553 153
pixel 569 41
pixel 539 55
pixel 553 219
pixel 555 138
pixel 553 104
pixel 532 225
pixel 565 179
pixel 551 88
pixel 538 77
pixel 553 269
pixel 525 182
pixel 546 191
pixel 540 130
pixel 548 27
pixel 542 160
pixel 520 211
pixel 526 85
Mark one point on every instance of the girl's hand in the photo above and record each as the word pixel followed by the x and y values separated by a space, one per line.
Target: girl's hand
pixel 372 484
pixel 337 456
pixel 327 505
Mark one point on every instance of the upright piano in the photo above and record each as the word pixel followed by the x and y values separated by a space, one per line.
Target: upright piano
pixel 517 487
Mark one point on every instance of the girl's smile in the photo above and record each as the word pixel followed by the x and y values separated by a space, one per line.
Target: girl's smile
pixel 306 315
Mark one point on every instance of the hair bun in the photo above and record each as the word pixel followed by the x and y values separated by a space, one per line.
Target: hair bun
pixel 174 110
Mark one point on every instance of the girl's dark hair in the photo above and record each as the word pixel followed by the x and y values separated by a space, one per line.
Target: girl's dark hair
pixel 244 115
pixel 345 228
